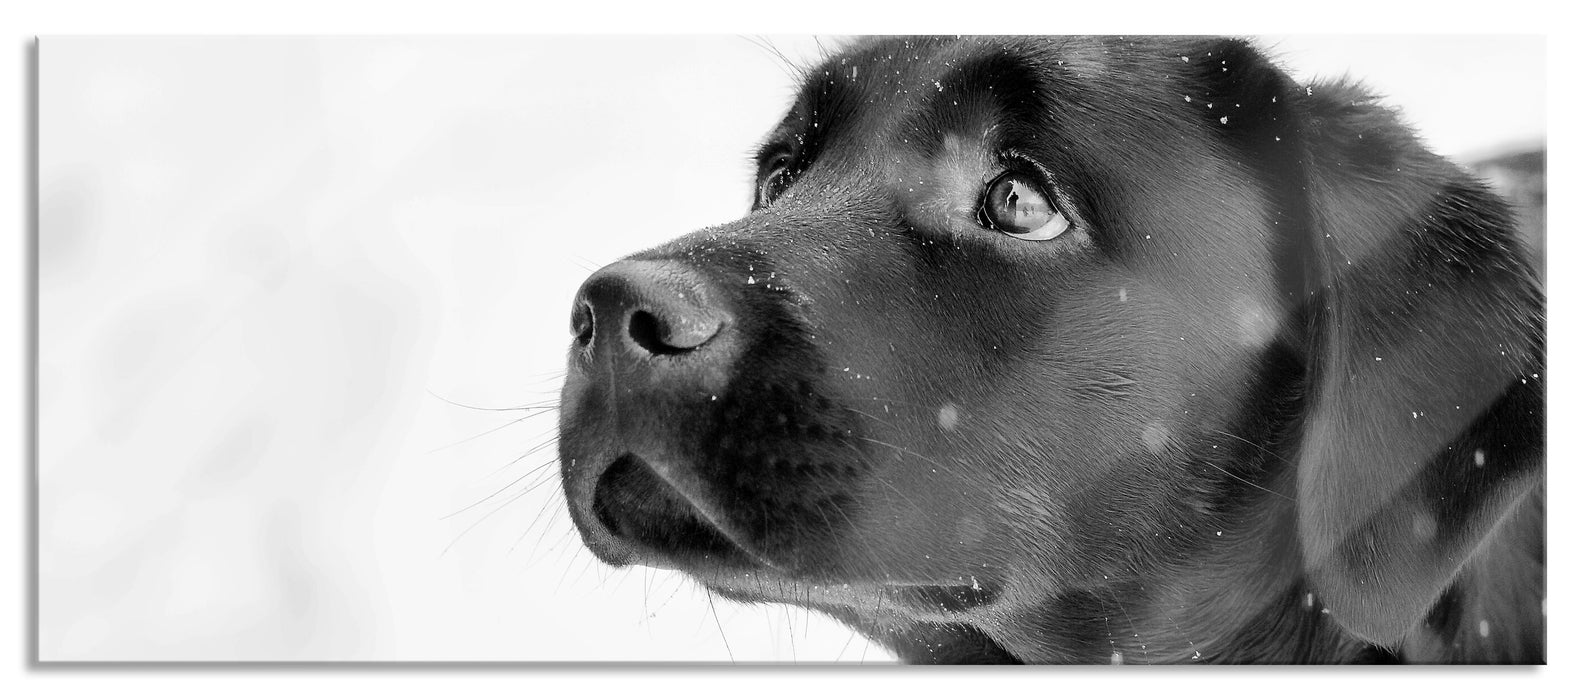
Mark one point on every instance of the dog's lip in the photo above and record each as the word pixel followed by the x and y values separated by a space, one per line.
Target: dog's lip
pixel 693 491
pixel 744 569
pixel 922 595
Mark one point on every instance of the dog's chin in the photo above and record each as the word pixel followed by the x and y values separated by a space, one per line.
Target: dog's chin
pixel 944 601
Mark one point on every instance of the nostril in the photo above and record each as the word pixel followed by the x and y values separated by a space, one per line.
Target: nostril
pixel 642 308
pixel 582 323
pixel 662 337
pixel 644 330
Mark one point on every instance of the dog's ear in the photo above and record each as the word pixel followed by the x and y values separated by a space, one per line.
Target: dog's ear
pixel 1424 425
pixel 1422 327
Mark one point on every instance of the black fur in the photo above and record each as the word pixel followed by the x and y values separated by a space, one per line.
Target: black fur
pixel 1275 397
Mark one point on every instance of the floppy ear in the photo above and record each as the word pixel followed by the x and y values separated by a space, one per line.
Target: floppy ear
pixel 1425 325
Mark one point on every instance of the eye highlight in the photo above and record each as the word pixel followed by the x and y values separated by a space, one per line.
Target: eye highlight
pixel 1015 205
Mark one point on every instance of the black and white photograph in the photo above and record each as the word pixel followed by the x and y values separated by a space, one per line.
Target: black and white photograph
pixel 771 349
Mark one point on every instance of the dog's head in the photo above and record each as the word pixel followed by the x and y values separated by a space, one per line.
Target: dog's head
pixel 1024 337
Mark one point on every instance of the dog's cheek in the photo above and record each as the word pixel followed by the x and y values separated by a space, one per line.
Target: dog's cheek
pixel 1074 447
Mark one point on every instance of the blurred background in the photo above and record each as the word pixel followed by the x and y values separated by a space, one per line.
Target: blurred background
pixel 303 306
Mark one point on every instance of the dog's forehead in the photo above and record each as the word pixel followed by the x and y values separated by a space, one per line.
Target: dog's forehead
pixel 897 106
pixel 883 98
pixel 897 77
pixel 868 88
pixel 897 69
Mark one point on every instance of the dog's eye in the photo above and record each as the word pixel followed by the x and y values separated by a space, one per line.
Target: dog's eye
pixel 1015 205
pixel 775 180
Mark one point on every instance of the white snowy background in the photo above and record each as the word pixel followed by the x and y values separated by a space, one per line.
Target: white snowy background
pixel 275 272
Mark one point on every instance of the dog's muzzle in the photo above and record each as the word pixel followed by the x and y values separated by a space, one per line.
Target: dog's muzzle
pixel 695 432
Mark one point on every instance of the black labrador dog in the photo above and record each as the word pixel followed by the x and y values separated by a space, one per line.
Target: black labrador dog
pixel 1083 350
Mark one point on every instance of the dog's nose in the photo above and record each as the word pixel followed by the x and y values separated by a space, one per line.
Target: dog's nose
pixel 647 308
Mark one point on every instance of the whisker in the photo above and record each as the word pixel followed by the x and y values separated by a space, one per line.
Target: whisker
pixel 585 263
pixel 470 528
pixel 897 402
pixel 542 510
pixel 842 651
pixel 502 489
pixel 1255 446
pixel 484 433
pixel 529 407
pixel 496 429
pixel 719 626
pixel 565 534
pixel 790 630
pixel 680 584
pixel 584 572
pixel 525 455
pixel 1253 484
pixel 870 416
pixel 903 450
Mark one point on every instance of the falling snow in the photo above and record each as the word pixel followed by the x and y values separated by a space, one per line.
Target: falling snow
pixel 1424 525
pixel 948 417
pixel 1156 437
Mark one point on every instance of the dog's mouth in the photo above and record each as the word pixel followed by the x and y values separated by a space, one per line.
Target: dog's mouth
pixel 658 524
pixel 666 528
